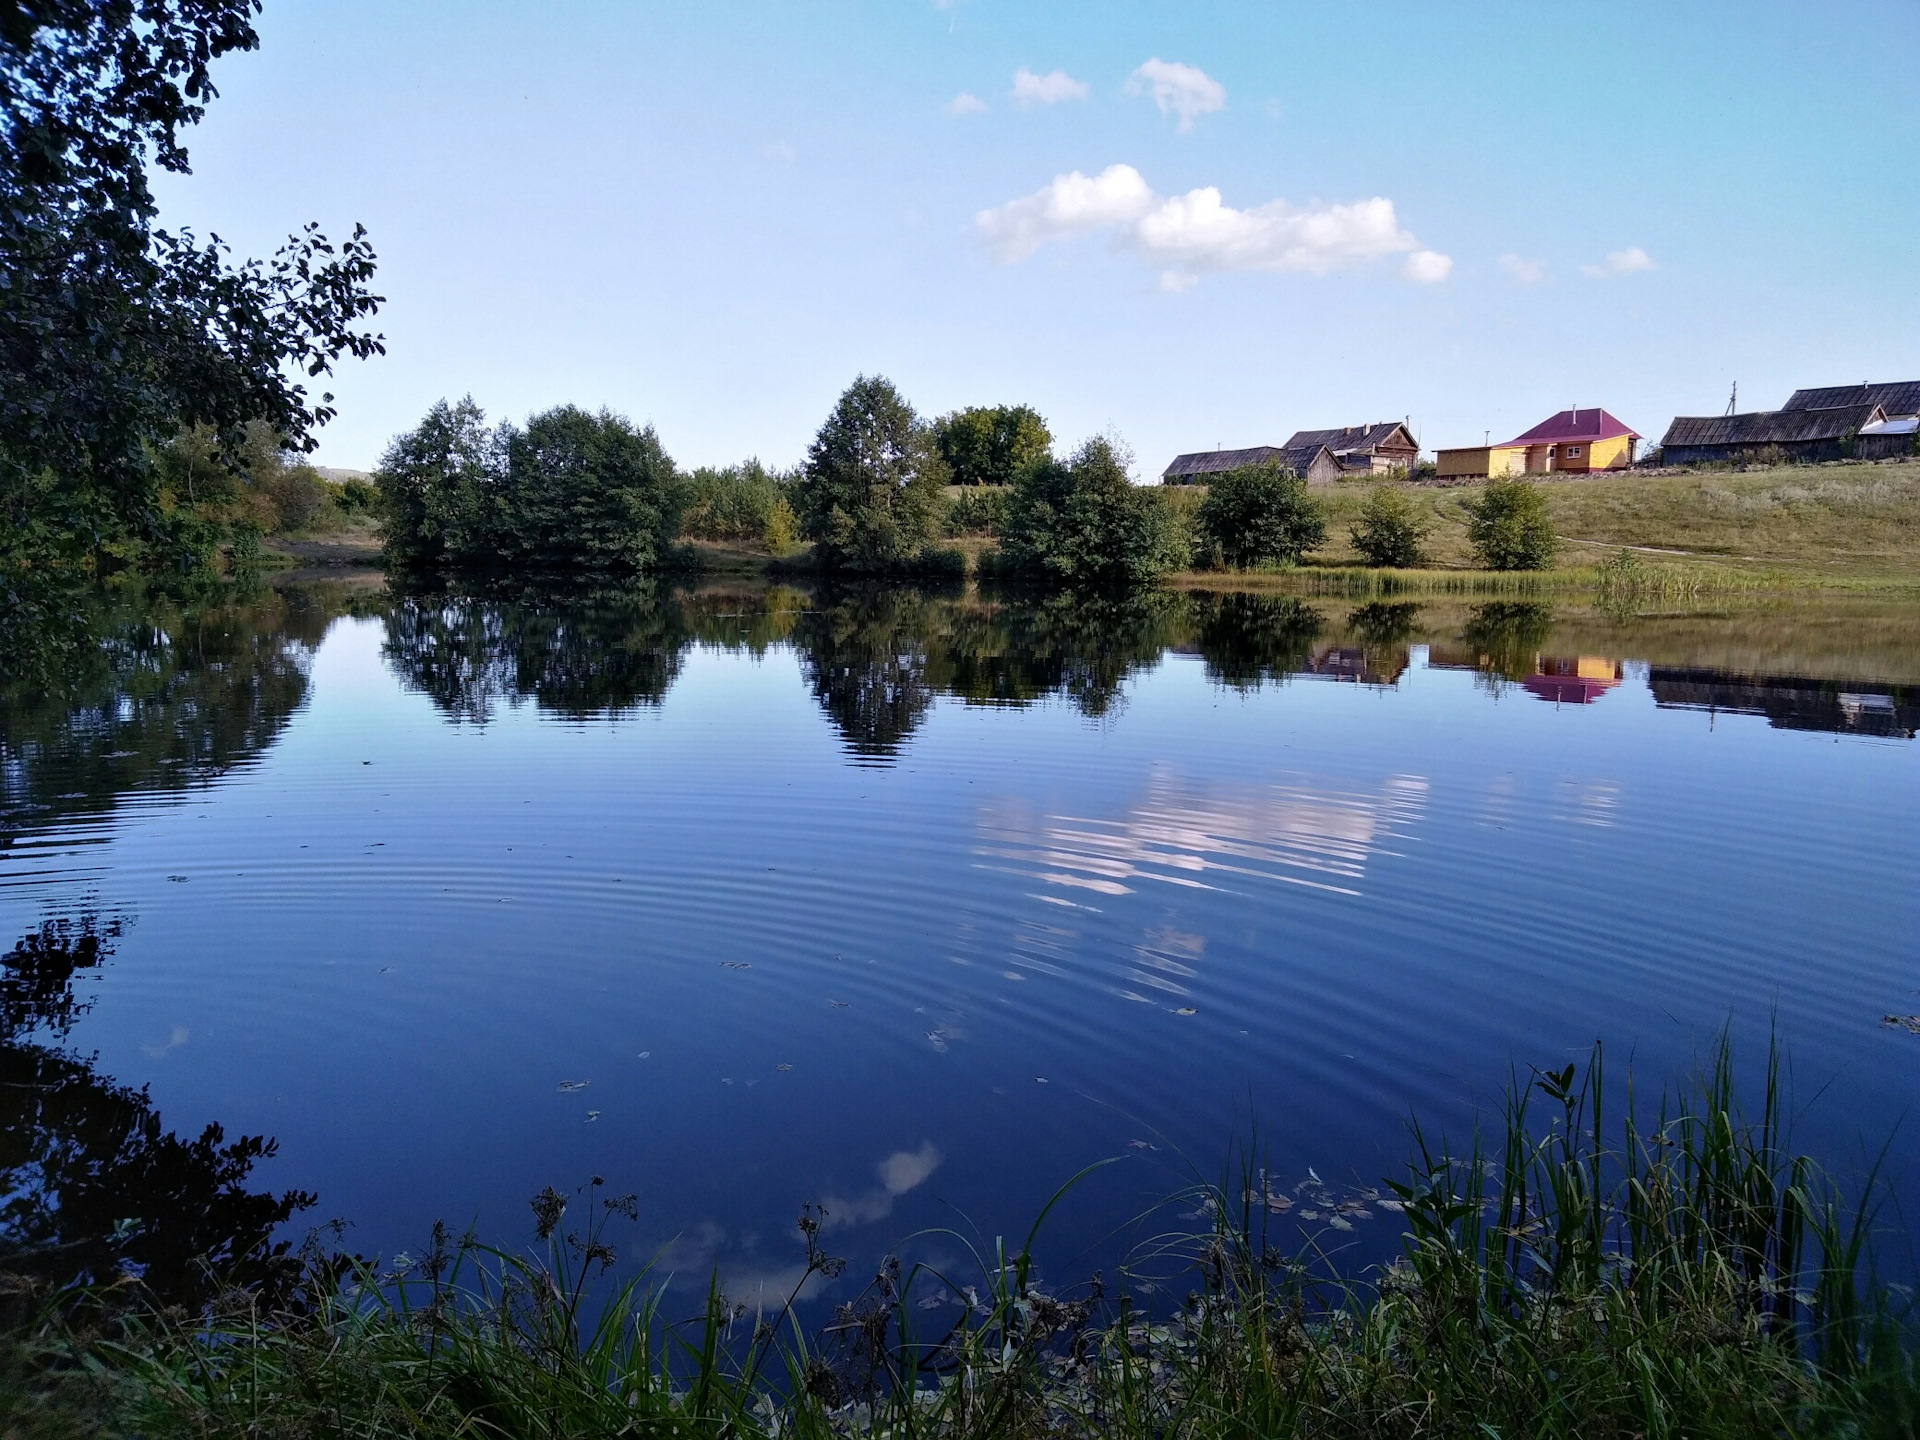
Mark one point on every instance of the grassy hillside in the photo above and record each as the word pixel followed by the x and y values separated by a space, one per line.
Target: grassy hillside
pixel 1836 522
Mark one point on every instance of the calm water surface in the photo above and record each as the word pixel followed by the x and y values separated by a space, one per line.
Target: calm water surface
pixel 912 906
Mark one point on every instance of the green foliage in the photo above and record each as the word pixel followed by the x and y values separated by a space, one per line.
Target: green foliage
pixel 116 335
pixel 992 445
pixel 1086 522
pixel 782 535
pixel 1509 528
pixel 978 510
pixel 356 497
pixel 735 503
pixel 572 491
pixel 1260 515
pixel 869 495
pixel 1389 529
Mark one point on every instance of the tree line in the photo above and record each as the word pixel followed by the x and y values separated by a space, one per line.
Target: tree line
pixel 881 492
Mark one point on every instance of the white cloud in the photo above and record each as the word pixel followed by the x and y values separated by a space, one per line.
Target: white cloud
pixel 1072 205
pixel 1183 90
pixel 1198 233
pixel 1526 272
pixel 779 150
pixel 966 103
pixel 1631 261
pixel 1048 89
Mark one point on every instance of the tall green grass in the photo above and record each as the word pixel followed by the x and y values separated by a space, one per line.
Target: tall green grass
pixel 1596 1268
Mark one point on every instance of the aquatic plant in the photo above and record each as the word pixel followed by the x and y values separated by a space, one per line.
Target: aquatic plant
pixel 1592 1269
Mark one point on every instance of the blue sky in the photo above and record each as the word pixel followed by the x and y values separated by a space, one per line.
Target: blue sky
pixel 711 216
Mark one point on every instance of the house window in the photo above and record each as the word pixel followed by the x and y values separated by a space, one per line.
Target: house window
pixel 1573 452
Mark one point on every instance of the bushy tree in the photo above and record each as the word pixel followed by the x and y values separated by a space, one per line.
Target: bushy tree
pixel 1509 528
pixel 586 491
pixel 869 495
pixel 1086 522
pixel 992 445
pixel 1389 529
pixel 116 335
pixel 1260 515
pixel 440 487
pixel 571 491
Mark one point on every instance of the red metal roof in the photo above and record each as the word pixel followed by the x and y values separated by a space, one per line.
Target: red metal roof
pixel 1575 425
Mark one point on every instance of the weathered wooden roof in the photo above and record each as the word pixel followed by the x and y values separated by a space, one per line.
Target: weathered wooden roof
pixel 1898 397
pixel 1772 427
pixel 1354 437
pixel 1219 462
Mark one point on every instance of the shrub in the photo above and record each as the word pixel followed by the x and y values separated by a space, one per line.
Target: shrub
pixel 1389 530
pixel 1260 515
pixel 993 445
pixel 869 497
pixel 1086 522
pixel 1509 528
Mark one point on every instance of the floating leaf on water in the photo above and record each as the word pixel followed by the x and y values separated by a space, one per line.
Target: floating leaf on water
pixel 1142 1145
pixel 783 1067
pixel 754 1081
pixel 178 879
pixel 938 1039
pixel 575 1084
pixel 726 1079
pixel 1309 1214
pixel 735 965
pixel 1909 1023
pixel 837 1004
pixel 1186 1010
pixel 646 1054
pixel 1039 1079
pixel 1339 1222
pixel 1314 1175
pixel 1393 1205
pixel 592 1115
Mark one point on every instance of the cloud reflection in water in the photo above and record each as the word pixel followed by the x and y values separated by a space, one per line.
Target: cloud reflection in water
pixel 1198 836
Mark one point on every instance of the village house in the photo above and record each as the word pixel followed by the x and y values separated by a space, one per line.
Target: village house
pixel 1355 450
pixel 1576 441
pixel 1318 456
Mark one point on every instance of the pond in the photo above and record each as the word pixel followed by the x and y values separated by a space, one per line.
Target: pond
pixel 913 905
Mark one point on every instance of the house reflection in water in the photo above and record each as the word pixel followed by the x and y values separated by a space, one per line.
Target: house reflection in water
pixel 1577 681
pixel 1351 663
pixel 1792 702
pixel 1557 679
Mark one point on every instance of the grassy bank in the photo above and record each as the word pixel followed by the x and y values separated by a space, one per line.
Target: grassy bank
pixel 1591 1270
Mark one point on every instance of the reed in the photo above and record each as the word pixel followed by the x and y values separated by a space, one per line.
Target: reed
pixel 1595 1268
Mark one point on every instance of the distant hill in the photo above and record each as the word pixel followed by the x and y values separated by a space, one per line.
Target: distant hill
pixel 339 476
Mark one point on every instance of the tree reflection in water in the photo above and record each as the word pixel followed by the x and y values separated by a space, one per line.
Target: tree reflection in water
pixel 92 1186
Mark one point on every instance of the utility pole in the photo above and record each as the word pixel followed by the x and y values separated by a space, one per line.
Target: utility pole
pixel 1733 401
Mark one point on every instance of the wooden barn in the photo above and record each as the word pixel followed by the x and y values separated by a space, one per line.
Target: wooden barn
pixel 1802 436
pixel 1199 466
